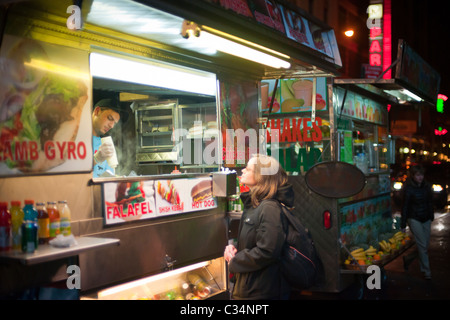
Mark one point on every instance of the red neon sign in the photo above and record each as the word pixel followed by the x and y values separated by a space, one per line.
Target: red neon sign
pixel 380 38
pixel 387 38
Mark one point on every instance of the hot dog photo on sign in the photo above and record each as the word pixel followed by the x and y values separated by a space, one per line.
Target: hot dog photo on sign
pixel 201 195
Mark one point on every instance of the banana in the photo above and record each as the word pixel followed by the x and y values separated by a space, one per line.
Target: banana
pixel 360 256
pixel 357 251
pixel 385 246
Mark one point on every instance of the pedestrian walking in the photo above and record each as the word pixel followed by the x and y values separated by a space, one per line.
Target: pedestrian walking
pixel 418 213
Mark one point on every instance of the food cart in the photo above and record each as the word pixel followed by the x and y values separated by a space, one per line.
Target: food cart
pixel 167 201
pixel 339 160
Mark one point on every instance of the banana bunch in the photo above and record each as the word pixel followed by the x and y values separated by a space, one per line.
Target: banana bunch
pixel 359 254
pixel 399 236
pixel 371 251
pixel 385 246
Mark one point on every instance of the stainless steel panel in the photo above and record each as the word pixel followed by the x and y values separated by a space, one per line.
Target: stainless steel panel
pixel 146 249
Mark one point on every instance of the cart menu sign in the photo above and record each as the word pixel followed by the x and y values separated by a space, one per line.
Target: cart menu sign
pixel 140 200
pixel 415 72
pixel 287 21
pixel 45 121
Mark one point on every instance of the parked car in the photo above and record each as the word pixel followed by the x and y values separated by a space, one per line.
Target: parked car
pixel 436 173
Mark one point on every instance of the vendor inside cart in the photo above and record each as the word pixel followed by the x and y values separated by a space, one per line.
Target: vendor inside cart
pixel 107 113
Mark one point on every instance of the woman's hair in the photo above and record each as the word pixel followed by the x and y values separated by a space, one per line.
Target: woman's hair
pixel 269 176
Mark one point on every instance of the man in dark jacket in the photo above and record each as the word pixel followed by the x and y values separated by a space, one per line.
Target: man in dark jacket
pixel 417 211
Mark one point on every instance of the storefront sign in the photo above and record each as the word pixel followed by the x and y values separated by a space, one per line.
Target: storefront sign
pixel 140 200
pixel 295 130
pixel 45 99
pixel 380 48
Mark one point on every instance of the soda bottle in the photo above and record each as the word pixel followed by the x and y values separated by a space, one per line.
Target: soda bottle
pixel 5 227
pixel 30 212
pixel 64 214
pixel 43 223
pixel 29 236
pixel 53 215
pixel 16 222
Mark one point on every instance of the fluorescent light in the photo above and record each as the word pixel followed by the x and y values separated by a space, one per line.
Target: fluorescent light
pixel 144 281
pixel 403 95
pixel 210 40
pixel 152 73
pixel 411 95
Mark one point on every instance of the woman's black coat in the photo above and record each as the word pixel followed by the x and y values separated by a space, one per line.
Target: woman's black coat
pixel 260 241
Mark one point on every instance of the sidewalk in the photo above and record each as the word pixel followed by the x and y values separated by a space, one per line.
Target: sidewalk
pixel 401 284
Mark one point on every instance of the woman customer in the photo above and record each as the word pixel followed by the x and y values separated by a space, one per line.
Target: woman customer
pixel 417 211
pixel 261 236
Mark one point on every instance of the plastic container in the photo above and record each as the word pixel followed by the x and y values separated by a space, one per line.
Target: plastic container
pixel 55 221
pixel 30 211
pixel 112 161
pixel 43 223
pixel 65 216
pixel 5 227
pixel 17 216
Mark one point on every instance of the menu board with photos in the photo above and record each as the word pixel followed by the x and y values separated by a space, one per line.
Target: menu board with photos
pixel 416 72
pixel 141 200
pixel 287 21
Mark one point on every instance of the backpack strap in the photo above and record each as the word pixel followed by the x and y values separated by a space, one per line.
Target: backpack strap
pixel 291 219
pixel 290 216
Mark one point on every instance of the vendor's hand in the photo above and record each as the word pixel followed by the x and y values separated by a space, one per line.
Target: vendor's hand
pixel 105 151
pixel 229 253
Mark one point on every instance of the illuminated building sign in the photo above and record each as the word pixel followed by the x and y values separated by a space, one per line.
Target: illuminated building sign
pixel 380 48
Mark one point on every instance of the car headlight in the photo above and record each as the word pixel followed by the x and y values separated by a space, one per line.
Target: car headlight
pixel 437 188
pixel 397 185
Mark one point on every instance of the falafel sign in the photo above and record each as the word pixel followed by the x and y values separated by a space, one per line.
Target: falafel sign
pixel 44 108
pixel 140 200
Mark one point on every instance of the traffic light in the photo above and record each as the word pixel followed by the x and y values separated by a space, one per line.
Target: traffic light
pixel 440 103
pixel 440 131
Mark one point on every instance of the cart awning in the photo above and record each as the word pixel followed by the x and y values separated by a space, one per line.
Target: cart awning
pixel 307 45
pixel 415 81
